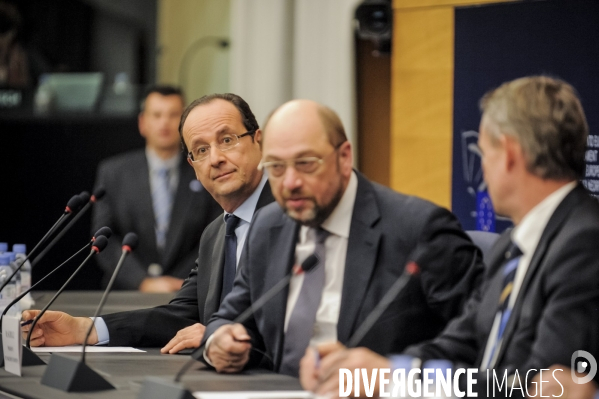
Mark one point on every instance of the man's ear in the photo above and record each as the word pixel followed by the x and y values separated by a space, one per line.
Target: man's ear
pixel 258 137
pixel 513 153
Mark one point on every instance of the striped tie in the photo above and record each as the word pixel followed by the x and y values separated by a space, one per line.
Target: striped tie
pixel 513 256
pixel 162 199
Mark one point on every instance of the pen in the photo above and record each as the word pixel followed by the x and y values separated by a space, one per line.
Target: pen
pixel 26 323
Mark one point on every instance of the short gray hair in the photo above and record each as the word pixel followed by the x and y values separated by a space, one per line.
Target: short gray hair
pixel 546 117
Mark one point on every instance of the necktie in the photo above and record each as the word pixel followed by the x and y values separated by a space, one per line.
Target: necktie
pixel 303 316
pixel 231 222
pixel 162 200
pixel 512 255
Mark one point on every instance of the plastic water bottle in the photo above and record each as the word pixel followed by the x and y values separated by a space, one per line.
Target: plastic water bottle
pixel 9 293
pixel 443 367
pixel 20 250
pixel 3 247
pixel 17 278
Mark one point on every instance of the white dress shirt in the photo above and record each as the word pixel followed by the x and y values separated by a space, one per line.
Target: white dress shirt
pixel 338 225
pixel 526 236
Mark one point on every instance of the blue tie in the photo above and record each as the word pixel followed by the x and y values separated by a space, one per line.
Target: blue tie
pixel 232 222
pixel 513 256
pixel 162 200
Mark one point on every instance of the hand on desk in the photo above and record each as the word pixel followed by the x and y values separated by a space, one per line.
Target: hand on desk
pixel 229 349
pixel 58 329
pixel 189 337
pixel 319 368
pixel 160 284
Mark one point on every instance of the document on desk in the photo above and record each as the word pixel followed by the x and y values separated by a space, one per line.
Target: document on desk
pixel 88 349
pixel 255 395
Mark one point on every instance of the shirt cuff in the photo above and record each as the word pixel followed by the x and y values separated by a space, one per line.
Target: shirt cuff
pixel 205 354
pixel 101 331
pixel 403 362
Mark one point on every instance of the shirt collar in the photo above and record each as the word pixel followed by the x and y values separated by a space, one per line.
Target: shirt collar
pixel 246 210
pixel 339 222
pixel 156 163
pixel 528 233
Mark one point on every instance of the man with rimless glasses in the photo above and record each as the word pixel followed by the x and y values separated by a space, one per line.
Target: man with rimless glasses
pixel 362 235
pixel 221 138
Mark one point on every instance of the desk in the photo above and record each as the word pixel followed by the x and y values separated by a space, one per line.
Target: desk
pixel 126 371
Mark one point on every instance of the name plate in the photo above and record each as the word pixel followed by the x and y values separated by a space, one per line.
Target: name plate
pixel 12 344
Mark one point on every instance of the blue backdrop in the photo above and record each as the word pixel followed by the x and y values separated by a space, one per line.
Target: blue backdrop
pixel 497 43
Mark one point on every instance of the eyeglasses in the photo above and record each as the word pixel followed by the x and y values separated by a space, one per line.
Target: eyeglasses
pixel 305 165
pixel 224 143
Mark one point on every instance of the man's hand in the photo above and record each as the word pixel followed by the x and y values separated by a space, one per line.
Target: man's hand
pixel 58 329
pixel 229 349
pixel 322 376
pixel 160 284
pixel 189 337
pixel 564 387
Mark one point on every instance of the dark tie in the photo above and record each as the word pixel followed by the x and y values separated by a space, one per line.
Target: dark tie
pixel 303 316
pixel 512 258
pixel 231 222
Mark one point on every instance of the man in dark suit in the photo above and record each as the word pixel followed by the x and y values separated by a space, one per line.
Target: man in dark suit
pixel 539 302
pixel 223 138
pixel 153 193
pixel 363 235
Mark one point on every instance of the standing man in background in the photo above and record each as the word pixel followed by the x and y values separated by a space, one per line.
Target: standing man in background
pixel 154 193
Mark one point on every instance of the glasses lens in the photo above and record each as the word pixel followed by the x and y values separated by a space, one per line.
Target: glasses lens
pixel 276 169
pixel 306 165
pixel 227 141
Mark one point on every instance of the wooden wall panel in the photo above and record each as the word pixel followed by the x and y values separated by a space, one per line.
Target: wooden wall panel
pixel 422 97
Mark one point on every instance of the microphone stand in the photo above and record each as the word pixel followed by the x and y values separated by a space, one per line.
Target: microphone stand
pixel 26 358
pixel 72 375
pixel 156 388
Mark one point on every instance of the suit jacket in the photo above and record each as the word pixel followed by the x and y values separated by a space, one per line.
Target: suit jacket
pixel 557 308
pixel 195 302
pixel 387 230
pixel 127 206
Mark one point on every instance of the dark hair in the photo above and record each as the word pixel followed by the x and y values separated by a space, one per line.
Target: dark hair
pixel 163 90
pixel 247 116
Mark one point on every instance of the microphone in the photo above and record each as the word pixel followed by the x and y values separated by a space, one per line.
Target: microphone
pixel 410 270
pixel 85 199
pixel 129 244
pixel 72 375
pixel 156 388
pixel 98 246
pixel 73 206
pixel 104 231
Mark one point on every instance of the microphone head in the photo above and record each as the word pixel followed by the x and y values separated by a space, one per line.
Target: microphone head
pixel 412 268
pixel 102 231
pixel 98 194
pixel 309 263
pixel 84 195
pixel 130 242
pixel 100 243
pixel 74 204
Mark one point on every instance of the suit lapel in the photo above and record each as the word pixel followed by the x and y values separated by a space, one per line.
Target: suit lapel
pixel 552 228
pixel 181 208
pixel 217 261
pixel 362 248
pixel 283 239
